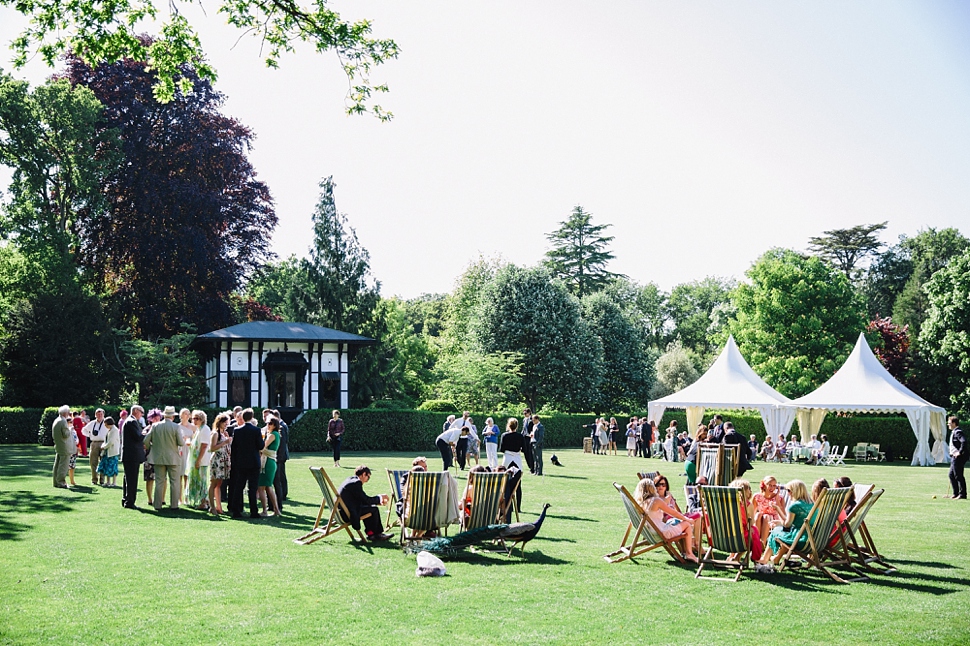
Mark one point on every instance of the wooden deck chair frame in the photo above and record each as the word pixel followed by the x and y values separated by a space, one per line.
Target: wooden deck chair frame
pixel 818 528
pixel 728 525
pixel 420 504
pixel 649 475
pixel 488 497
pixel 725 458
pixel 646 535
pixel 512 500
pixel 867 553
pixel 335 521
pixel 394 477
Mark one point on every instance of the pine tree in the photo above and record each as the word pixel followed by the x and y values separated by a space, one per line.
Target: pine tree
pixel 579 253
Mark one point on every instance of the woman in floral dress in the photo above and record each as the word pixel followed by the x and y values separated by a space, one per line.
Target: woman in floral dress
pixel 219 446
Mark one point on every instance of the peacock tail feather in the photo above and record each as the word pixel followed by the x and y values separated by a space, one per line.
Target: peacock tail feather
pixel 447 545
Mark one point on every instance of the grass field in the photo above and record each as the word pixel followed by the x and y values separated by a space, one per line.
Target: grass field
pixel 76 568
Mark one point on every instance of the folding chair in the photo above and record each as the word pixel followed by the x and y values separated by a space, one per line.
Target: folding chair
pixel 718 463
pixel 422 496
pixel 488 494
pixel 867 553
pixel 646 537
pixel 818 530
pixel 649 475
pixel 338 511
pixel 861 452
pixel 395 477
pixel 729 529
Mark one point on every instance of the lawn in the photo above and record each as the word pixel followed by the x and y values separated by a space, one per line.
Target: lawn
pixel 76 568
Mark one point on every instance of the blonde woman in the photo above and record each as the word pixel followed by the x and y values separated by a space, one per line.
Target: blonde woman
pixel 220 463
pixel 679 527
pixel 188 432
pixel 782 536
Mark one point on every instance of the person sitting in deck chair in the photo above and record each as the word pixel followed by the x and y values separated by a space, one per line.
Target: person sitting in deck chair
pixel 360 504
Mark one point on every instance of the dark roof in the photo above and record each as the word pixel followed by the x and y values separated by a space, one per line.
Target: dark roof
pixel 276 331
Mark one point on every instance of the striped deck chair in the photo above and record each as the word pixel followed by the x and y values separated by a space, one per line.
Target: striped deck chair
pixel 865 554
pixel 421 499
pixel 646 535
pixel 649 475
pixel 338 511
pixel 394 477
pixel 718 463
pixel 729 529
pixel 488 494
pixel 818 528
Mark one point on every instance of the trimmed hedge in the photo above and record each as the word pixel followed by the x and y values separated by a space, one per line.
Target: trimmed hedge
pixel 19 425
pixel 415 431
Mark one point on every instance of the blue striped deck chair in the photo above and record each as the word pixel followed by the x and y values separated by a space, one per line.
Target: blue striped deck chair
pixel 488 495
pixel 421 500
pixel 646 535
pixel 818 528
pixel 338 511
pixel 395 478
pixel 649 475
pixel 729 529
pixel 865 554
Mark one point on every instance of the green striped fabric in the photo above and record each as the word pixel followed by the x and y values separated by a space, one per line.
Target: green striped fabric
pixel 636 515
pixel 707 461
pixel 858 515
pixel 825 514
pixel 725 514
pixel 422 500
pixel 486 498
pixel 324 482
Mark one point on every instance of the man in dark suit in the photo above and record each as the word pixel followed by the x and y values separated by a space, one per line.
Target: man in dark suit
pixel 359 504
pixel 132 455
pixel 731 436
pixel 959 453
pixel 247 442
pixel 527 439
pixel 538 438
pixel 715 434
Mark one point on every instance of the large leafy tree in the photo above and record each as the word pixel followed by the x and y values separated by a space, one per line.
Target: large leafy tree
pixel 580 253
pixel 846 248
pixel 644 305
pixel 689 308
pixel 675 370
pixel 410 354
pixel 187 219
pixel 474 381
pixel 628 373
pixel 107 33
pixel 929 251
pixel 796 321
pixel 526 311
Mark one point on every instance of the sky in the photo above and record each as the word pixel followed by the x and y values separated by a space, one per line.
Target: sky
pixel 705 133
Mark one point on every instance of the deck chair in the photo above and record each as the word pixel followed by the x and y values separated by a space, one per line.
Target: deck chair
pixel 646 535
pixel 729 529
pixel 488 495
pixel 718 463
pixel 861 452
pixel 649 475
pixel 865 554
pixel 338 511
pixel 421 500
pixel 395 478
pixel 818 529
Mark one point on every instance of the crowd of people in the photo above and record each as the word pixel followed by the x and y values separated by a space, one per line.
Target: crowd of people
pixel 459 442
pixel 200 466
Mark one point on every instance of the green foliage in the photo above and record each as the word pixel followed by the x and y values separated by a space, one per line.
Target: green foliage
pixel 885 279
pixel 930 251
pixel 463 305
pixel 689 308
pixel 796 321
pixel 438 406
pixel 845 248
pixel 105 33
pixel 409 353
pixel 644 305
pixel 19 425
pixel 523 310
pixel 675 370
pixel 473 380
pixel 945 338
pixel 580 253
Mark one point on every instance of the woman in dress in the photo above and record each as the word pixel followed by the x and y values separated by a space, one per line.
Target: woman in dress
pixel 271 435
pixel 72 460
pixel 199 458
pixel 782 536
pixel 604 433
pixel 154 416
pixel 614 434
pixel 631 437
pixel 219 465
pixel 654 506
pixel 108 465
pixel 769 506
pixel 188 432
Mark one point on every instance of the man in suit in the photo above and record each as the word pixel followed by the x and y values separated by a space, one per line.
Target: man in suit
pixel 164 440
pixel 132 455
pixel 527 436
pixel 731 436
pixel 247 442
pixel 715 434
pixel 64 446
pixel 359 504
pixel 538 437
pixel 959 453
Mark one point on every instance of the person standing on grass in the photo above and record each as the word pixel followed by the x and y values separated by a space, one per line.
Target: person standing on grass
pixel 280 485
pixel 132 455
pixel 527 439
pixel 335 436
pixel 163 442
pixel 491 434
pixel 78 424
pixel 538 438
pixel 108 465
pixel 511 444
pixel 958 458
pixel 197 489
pixel 64 446
pixel 247 443
pixel 219 466
pixel 95 432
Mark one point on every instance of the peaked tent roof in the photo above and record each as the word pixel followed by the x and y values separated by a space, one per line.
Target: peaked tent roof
pixel 863 384
pixel 280 331
pixel 728 383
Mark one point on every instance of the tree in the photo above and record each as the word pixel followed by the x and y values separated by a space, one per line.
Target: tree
pixel 278 286
pixel 100 33
pixel 410 355
pixel 846 248
pixel 796 321
pixel 945 337
pixel 689 308
pixel 159 372
pixel 675 371
pixel 473 381
pixel 187 218
pixel 526 311
pixel 885 279
pixel 579 253
pixel 462 305
pixel 929 251
pixel 644 305
pixel 628 374
pixel 891 343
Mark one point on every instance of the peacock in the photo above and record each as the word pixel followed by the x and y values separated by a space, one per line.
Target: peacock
pixel 514 534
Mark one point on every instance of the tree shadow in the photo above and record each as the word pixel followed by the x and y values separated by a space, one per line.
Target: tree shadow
pixel 576 518
pixel 29 502
pixel 565 477
pixel 29 460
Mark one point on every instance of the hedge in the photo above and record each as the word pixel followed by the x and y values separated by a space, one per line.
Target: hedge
pixel 19 425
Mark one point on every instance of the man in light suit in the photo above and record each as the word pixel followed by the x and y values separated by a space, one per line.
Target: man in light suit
pixel 164 440
pixel 64 446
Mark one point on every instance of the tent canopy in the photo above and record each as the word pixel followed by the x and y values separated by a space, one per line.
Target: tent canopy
pixel 863 385
pixel 729 383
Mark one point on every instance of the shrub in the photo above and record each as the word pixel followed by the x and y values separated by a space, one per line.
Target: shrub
pixel 19 425
pixel 439 406
pixel 390 404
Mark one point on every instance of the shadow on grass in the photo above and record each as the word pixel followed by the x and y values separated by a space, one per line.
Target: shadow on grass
pixel 29 460
pixel 921 582
pixel 501 559
pixel 929 564
pixel 565 477
pixel 577 518
pixel 29 502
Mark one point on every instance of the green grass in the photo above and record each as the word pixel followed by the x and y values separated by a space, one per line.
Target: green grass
pixel 76 568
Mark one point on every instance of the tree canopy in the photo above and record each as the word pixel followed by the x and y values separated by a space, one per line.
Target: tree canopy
pixel 580 253
pixel 846 248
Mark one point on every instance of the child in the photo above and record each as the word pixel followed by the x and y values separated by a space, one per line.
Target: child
pixel 750 512
pixel 153 416
pixel 769 507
